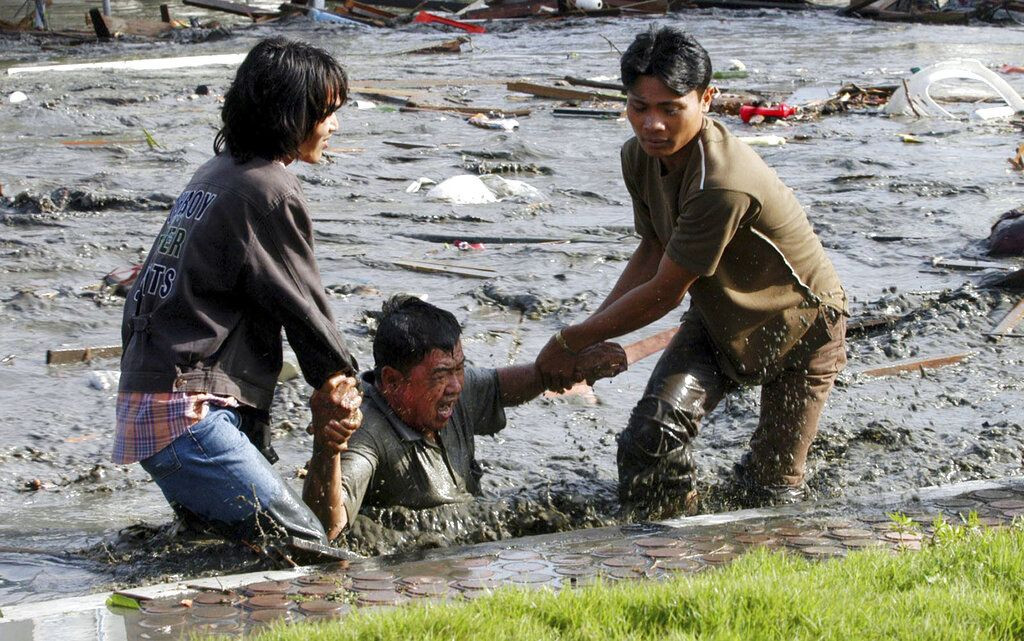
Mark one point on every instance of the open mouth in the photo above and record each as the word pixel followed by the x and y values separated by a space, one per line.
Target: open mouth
pixel 445 409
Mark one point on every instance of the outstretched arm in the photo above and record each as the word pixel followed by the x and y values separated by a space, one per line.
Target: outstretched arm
pixel 636 308
pixel 521 383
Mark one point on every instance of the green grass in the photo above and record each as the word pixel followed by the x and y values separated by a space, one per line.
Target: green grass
pixel 970 585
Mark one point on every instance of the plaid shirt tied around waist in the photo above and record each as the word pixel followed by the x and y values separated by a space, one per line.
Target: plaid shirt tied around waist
pixel 147 423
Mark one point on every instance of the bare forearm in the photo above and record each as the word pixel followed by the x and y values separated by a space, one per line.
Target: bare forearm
pixel 519 384
pixel 322 490
pixel 642 266
pixel 637 308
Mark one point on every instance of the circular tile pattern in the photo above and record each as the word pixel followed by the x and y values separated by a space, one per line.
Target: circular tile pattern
pixel 1008 504
pixel 316 579
pixel 524 566
pixel 613 550
pixel 381 597
pixel 216 627
pixel 268 601
pixel 656 542
pixel 995 495
pixel 150 607
pixel 680 565
pixel 472 573
pixel 957 502
pixel 790 531
pixel 531 578
pixel 215 612
pixel 270 615
pixel 269 587
pixel 807 541
pixel 423 579
pixel 712 546
pixel 373 586
pixel 823 551
pixel 851 533
pixel 158 621
pixel 628 561
pixel 902 537
pixel 435 590
pixel 719 557
pixel 213 598
pixel 861 543
pixel 622 573
pixel 372 575
pixel 323 606
pixel 751 538
pixel 320 590
pixel 874 518
pixel 571 559
pixel 518 555
pixel 575 570
pixel 477 584
pixel 665 553
pixel 473 562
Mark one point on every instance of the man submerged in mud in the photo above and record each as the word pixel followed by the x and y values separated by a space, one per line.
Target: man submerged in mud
pixel 421 410
pixel 766 307
pixel 232 266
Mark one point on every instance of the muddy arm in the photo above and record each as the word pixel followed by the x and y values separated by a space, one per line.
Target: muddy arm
pixel 322 490
pixel 521 383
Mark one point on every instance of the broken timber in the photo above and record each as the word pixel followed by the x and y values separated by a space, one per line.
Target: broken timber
pixel 968 265
pixel 1010 321
pixel 445 268
pixel 637 351
pixel 448 46
pixel 459 109
pixel 80 355
pixel 915 365
pixel 560 93
pixel 233 8
pixel 576 112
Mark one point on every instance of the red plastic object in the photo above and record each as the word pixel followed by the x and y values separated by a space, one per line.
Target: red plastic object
pixel 423 16
pixel 781 110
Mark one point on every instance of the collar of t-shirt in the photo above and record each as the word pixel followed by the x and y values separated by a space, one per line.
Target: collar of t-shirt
pixel 686 153
pixel 371 393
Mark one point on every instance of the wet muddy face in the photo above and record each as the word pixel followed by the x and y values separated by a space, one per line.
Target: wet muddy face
pixel 425 398
pixel 664 122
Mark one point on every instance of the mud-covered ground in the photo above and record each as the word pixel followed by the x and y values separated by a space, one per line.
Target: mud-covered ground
pixel 84 194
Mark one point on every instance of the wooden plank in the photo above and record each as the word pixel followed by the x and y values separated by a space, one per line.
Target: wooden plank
pixel 465 109
pixel 234 8
pixel 594 84
pixel 969 265
pixel 915 365
pixel 165 13
pixel 560 93
pixel 1009 323
pixel 99 24
pixel 444 268
pixel 448 46
pixel 574 112
pixel 80 354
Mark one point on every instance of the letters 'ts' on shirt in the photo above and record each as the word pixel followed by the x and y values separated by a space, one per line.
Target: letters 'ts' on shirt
pixel 727 217
pixel 389 464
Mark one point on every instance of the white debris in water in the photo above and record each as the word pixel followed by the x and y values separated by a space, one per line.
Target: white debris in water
pixel 17 97
pixel 418 184
pixel 503 124
pixel 516 190
pixel 364 104
pixel 104 380
pixel 763 141
pixel 463 190
pixel 737 65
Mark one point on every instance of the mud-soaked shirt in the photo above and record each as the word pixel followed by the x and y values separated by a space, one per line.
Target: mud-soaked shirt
pixel 388 463
pixel 726 217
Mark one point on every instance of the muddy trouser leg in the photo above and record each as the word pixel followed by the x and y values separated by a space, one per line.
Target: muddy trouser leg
pixel 214 475
pixel 654 455
pixel 791 405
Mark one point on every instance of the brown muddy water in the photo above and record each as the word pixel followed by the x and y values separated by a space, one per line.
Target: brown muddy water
pixel 73 213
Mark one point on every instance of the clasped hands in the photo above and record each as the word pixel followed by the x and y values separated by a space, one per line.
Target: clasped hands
pixel 560 369
pixel 336 414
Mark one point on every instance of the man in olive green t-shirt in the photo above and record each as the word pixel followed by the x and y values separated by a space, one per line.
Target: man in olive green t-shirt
pixel 766 307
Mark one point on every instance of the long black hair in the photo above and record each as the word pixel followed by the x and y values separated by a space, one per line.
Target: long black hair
pixel 671 55
pixel 281 91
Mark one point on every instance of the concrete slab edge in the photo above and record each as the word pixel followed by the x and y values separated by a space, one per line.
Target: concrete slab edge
pixel 60 607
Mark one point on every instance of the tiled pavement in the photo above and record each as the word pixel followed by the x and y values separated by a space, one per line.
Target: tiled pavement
pixel 234 605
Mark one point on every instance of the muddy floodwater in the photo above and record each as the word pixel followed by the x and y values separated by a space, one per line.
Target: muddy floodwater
pixel 84 194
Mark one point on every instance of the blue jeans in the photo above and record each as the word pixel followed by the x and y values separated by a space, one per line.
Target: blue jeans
pixel 214 473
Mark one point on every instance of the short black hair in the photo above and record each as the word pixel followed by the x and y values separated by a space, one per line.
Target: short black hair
pixel 408 330
pixel 673 56
pixel 281 92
